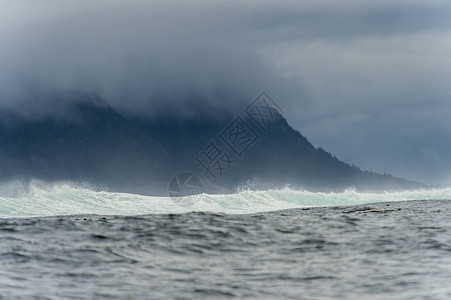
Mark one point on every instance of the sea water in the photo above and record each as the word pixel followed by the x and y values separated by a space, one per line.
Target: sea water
pixel 65 241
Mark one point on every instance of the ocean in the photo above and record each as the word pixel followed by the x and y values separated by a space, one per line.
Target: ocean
pixel 67 241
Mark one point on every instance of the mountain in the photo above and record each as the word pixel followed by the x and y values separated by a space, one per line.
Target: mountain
pixel 91 142
pixel 278 157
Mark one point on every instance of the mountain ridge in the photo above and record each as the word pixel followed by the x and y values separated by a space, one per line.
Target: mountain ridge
pixel 92 142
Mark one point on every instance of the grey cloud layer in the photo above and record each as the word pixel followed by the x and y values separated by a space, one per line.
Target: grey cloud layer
pixel 136 57
pixel 367 80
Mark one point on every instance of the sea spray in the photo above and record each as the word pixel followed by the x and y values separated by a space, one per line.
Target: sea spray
pixel 39 199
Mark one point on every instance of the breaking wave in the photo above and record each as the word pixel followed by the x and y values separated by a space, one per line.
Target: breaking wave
pixel 38 199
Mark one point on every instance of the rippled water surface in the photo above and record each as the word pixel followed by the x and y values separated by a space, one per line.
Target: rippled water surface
pixel 390 250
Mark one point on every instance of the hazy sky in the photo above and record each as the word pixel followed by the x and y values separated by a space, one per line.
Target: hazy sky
pixel 367 80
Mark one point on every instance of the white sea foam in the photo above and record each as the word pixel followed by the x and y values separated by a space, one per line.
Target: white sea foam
pixel 38 199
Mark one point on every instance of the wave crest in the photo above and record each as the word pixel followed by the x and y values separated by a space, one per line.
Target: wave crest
pixel 38 199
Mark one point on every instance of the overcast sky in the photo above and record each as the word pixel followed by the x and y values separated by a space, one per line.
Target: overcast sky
pixel 367 80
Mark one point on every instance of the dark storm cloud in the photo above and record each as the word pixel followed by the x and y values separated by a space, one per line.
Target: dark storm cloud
pixel 367 80
pixel 143 54
pixel 138 57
